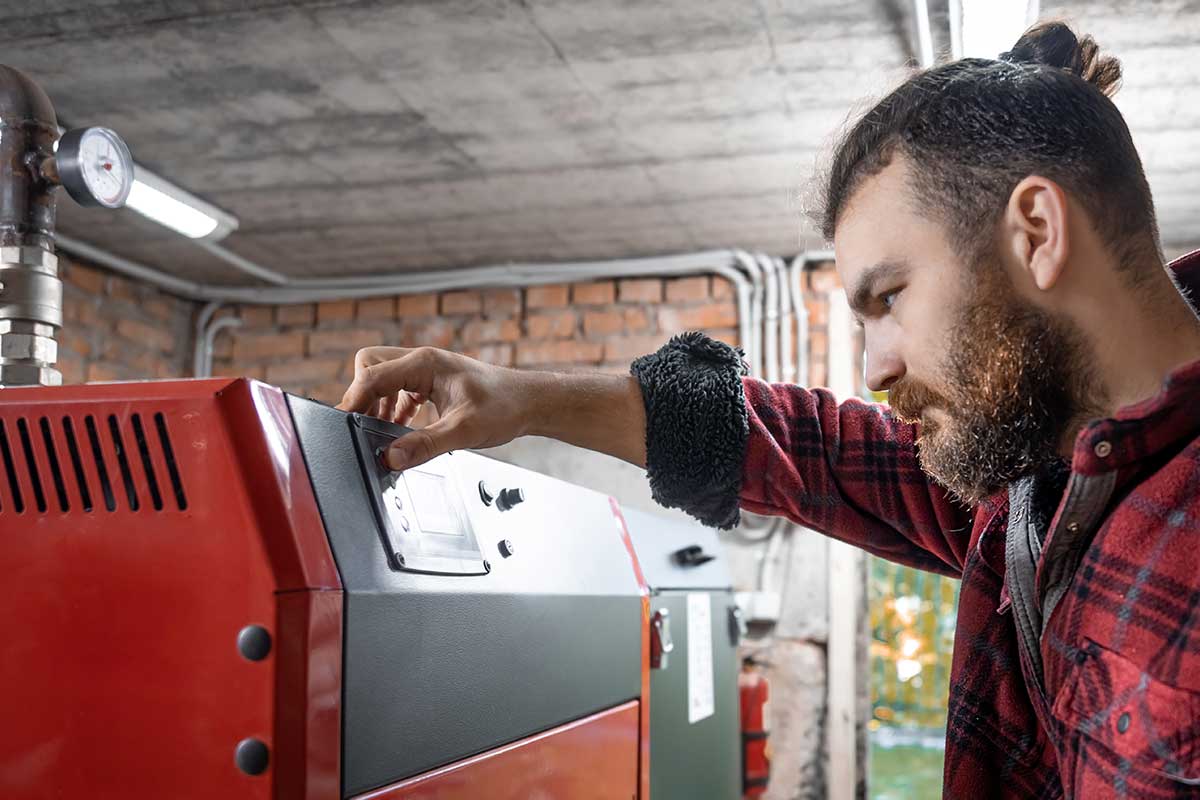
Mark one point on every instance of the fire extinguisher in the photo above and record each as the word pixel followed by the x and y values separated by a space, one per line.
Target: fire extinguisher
pixel 756 748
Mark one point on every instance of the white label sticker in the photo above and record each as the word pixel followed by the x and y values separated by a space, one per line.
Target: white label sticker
pixel 700 657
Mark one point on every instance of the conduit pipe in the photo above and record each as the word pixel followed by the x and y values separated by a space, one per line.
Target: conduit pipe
pixel 770 319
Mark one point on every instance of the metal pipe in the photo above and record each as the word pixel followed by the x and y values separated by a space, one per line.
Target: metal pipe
pixel 924 33
pixel 30 290
pixel 202 320
pixel 770 319
pixel 787 331
pixel 204 363
pixel 753 346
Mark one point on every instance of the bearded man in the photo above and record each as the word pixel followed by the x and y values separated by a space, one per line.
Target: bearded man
pixel 994 229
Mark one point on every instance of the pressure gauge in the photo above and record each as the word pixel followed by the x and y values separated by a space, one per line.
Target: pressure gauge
pixel 95 167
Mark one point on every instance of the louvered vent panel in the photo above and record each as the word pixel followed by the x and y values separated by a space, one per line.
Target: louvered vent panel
pixel 46 463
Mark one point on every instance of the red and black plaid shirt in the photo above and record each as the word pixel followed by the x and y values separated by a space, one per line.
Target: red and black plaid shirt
pixel 1118 581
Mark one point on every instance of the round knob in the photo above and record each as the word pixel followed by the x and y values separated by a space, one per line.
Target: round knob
pixel 506 548
pixel 485 494
pixel 509 498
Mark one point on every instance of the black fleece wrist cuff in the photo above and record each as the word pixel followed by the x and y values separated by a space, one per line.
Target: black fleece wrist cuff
pixel 696 426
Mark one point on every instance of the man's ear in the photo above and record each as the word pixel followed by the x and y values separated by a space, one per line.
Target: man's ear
pixel 1035 228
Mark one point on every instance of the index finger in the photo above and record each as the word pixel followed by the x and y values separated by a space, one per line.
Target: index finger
pixel 412 372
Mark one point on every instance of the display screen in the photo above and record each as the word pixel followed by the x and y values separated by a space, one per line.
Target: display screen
pixel 432 504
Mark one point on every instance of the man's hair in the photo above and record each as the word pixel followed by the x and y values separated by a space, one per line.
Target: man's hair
pixel 972 129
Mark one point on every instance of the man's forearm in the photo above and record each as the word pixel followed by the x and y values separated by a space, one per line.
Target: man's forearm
pixel 604 413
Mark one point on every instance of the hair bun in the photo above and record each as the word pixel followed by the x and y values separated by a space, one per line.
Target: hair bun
pixel 1056 45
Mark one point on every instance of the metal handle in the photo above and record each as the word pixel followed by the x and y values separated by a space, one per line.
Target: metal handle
pixel 661 645
pixel 737 625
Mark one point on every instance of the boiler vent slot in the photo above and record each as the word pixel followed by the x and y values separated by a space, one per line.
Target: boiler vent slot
pixel 33 463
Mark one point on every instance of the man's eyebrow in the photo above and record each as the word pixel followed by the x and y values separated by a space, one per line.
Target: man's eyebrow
pixel 860 298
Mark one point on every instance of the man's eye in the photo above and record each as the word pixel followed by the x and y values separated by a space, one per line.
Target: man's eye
pixel 889 298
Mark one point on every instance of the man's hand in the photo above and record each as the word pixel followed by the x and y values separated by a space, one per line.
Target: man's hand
pixel 481 405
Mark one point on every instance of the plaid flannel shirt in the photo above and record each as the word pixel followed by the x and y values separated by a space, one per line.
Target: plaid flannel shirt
pixel 1114 710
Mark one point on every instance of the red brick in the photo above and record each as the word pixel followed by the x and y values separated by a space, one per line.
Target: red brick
pixel 75 341
pixel 161 308
pixel 304 314
pixel 551 325
pixel 501 354
pixel 641 290
pixel 108 371
pixel 637 320
pixel 223 344
pixel 462 303
pixel 148 335
pixel 307 371
pixel 818 374
pixel 818 346
pixel 603 323
pixel 257 316
pixel 72 367
pixel 342 340
pixel 818 310
pixel 561 352
pixel 552 296
pixel 89 280
pixel 630 347
pixel 491 330
pixel 122 289
pixel 329 393
pixel 727 335
pixel 253 346
pixel 430 333
pixel 687 290
pixel 335 311
pixel 417 305
pixel 376 308
pixel 722 289
pixel 717 315
pixel 594 294
pixel 501 302
pixel 824 280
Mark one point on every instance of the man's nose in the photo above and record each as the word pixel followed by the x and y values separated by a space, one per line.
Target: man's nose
pixel 884 368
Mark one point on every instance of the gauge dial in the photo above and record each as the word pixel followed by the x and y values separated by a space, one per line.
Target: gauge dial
pixel 95 167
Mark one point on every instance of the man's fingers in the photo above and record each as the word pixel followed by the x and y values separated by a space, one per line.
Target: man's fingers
pixel 414 449
pixel 413 371
pixel 387 407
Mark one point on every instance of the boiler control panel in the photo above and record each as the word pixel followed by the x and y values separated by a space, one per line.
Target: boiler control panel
pixel 420 512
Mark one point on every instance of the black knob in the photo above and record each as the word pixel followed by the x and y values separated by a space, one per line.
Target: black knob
pixel 692 556
pixel 485 494
pixel 509 498
pixel 506 548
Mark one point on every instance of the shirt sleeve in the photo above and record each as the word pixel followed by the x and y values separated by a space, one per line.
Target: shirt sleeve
pixel 850 471
pixel 717 441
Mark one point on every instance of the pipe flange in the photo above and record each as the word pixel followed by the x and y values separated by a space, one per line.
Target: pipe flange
pixel 29 375
pixel 28 347
pixel 38 258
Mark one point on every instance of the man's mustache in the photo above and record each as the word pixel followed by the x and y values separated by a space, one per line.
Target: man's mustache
pixel 908 398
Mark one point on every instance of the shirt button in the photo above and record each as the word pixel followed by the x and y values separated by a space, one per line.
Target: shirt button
pixel 1123 722
pixel 1073 527
pixel 1103 449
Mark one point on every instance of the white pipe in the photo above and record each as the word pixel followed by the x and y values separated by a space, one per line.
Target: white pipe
pixel 924 33
pixel 202 320
pixel 770 319
pixel 956 21
pixel 753 346
pixel 787 331
pixel 206 344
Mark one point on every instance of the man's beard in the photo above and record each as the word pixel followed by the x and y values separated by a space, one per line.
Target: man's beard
pixel 1018 381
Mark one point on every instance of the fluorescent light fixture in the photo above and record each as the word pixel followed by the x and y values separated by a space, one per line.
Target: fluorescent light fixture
pixel 168 205
pixel 158 199
pixel 991 27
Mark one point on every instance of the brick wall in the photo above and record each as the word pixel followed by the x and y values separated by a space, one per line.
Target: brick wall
pixel 116 329
pixel 595 325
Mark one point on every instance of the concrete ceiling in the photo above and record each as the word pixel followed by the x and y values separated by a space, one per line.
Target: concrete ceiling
pixel 373 137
